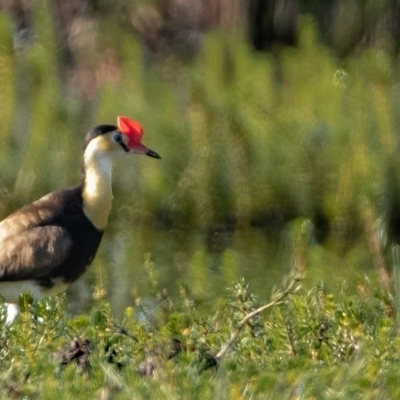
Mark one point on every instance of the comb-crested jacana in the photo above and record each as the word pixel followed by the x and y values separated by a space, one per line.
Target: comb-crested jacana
pixel 49 244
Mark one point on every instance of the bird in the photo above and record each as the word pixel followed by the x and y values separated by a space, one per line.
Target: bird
pixel 47 245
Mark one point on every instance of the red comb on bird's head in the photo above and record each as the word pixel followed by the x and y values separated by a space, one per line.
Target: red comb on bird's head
pixel 132 129
pixel 134 132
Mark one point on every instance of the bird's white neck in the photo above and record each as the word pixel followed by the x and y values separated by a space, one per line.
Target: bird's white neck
pixel 97 190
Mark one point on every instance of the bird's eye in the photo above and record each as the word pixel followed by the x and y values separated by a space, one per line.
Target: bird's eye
pixel 118 138
pixel 121 140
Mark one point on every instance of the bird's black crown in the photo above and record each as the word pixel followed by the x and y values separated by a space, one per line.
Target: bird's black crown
pixel 97 131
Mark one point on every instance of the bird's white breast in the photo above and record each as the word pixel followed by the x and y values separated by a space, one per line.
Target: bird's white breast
pixel 12 290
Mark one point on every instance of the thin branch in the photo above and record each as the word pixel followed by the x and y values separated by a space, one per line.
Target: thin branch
pixel 293 286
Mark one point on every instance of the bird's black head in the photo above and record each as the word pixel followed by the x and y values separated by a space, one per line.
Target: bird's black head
pixel 115 140
pixel 97 131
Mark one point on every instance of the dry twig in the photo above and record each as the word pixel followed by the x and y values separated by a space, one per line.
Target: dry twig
pixel 292 284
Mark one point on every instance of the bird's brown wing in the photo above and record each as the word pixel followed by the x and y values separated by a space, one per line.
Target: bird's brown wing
pixel 33 253
pixel 38 213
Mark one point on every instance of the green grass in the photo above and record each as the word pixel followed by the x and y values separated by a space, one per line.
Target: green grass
pixel 315 345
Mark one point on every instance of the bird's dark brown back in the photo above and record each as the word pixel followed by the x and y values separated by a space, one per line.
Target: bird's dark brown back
pixel 49 239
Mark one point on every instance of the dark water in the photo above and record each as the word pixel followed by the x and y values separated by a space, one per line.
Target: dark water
pixel 146 262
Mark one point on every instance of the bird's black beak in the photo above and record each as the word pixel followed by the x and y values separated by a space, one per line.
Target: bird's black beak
pixel 152 153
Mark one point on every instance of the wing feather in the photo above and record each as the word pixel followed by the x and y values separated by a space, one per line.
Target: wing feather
pixel 33 253
pixel 38 213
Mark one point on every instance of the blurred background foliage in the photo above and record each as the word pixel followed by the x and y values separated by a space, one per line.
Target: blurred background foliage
pixel 277 122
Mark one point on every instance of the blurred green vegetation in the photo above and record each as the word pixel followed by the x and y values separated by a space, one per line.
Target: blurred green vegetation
pixel 268 160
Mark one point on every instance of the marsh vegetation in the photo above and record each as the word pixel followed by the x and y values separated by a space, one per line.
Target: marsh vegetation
pixel 271 162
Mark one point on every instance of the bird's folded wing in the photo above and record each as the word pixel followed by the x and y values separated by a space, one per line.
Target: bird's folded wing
pixel 33 253
pixel 36 214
